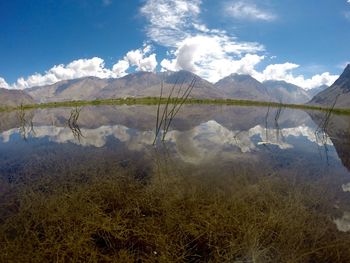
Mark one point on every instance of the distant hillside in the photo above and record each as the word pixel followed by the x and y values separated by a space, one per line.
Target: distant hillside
pixel 246 87
pixel 339 92
pixel 77 89
pixel 282 91
pixel 147 84
pixel 243 87
pixel 313 92
pixel 140 84
pixel 12 98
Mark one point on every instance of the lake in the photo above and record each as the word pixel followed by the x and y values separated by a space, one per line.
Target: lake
pixel 216 150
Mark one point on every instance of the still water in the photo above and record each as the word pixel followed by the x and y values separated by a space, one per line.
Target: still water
pixel 202 139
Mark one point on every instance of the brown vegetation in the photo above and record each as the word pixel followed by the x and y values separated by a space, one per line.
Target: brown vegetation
pixel 167 218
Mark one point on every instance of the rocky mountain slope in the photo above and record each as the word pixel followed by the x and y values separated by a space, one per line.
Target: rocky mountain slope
pixel 339 92
pixel 313 92
pixel 282 91
pixel 243 87
pixel 12 98
pixel 246 87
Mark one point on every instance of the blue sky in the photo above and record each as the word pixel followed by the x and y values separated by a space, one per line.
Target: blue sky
pixel 302 42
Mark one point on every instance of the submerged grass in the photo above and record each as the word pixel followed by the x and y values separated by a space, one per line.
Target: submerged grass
pixel 167 218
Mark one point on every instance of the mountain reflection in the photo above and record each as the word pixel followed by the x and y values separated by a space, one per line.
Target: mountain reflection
pixel 338 130
pixel 200 133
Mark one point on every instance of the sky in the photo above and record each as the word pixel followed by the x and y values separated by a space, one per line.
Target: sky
pixel 302 42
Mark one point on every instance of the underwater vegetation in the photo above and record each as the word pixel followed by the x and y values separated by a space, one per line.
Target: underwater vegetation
pixel 168 217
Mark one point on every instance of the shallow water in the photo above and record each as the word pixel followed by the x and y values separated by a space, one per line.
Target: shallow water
pixel 204 140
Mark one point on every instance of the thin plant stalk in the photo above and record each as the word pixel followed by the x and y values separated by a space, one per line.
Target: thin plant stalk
pixel 164 117
pixel 177 107
pixel 170 112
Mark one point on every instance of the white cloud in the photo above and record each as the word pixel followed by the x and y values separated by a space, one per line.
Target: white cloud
pixel 212 57
pixel 120 68
pixel 248 11
pixel 284 72
pixel 139 58
pixel 3 83
pixel 76 69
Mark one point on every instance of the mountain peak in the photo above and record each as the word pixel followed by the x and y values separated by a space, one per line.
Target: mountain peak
pixel 240 77
pixel 344 79
pixel 276 81
pixel 347 70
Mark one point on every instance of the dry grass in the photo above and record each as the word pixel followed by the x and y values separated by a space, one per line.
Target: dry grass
pixel 167 218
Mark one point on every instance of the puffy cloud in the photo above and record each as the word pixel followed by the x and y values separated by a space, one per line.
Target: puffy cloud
pixel 213 57
pixel 3 83
pixel 76 69
pixel 121 67
pixel 139 59
pixel 95 67
pixel 248 11
pixel 278 71
pixel 284 72
pixel 81 68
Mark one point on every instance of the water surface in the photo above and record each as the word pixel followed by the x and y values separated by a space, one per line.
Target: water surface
pixel 203 140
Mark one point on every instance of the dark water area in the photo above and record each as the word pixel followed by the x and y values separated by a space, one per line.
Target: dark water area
pixel 203 141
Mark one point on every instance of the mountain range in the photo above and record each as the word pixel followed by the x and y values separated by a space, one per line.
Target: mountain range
pixel 147 84
pixel 140 84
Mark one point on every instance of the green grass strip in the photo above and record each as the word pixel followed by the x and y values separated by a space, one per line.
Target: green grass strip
pixel 155 101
